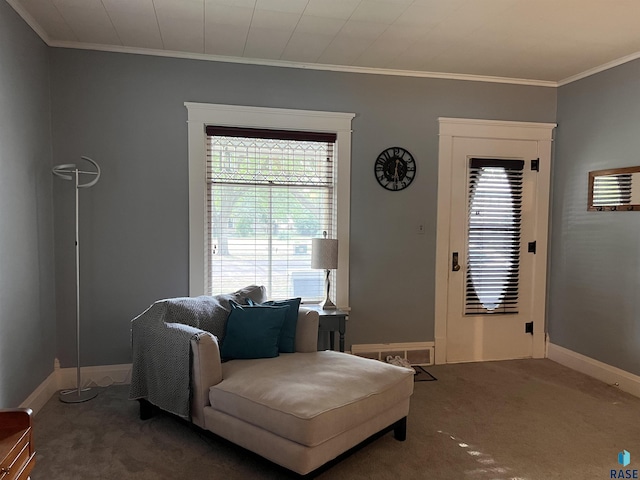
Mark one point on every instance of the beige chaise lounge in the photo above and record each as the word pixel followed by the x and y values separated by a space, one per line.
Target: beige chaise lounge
pixel 299 410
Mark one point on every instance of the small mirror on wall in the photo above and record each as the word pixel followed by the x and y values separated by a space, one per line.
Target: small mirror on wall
pixel 615 190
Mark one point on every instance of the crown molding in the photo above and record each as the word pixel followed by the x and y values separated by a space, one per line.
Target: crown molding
pixel 601 68
pixel 26 16
pixel 303 66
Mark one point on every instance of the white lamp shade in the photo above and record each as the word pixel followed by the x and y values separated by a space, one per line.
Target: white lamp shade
pixel 324 253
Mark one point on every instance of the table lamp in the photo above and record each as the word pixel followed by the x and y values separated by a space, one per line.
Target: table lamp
pixel 324 255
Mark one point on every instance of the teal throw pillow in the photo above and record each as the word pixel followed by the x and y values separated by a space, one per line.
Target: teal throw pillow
pixel 253 331
pixel 287 341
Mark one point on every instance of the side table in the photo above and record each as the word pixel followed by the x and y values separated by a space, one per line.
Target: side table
pixel 17 456
pixel 331 321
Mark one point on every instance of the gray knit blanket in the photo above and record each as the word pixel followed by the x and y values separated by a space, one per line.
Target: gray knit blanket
pixel 161 345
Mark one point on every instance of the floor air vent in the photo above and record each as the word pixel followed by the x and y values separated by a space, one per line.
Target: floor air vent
pixel 418 353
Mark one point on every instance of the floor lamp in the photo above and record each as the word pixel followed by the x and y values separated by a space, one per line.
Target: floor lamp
pixel 69 171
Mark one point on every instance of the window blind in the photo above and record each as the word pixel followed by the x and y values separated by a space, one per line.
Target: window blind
pixel 611 190
pixel 494 229
pixel 268 193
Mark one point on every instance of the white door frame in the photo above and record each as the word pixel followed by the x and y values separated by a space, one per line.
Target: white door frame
pixel 451 128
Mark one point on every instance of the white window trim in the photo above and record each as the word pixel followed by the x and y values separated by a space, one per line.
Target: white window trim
pixel 202 114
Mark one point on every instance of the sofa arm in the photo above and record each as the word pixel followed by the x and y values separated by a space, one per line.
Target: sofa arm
pixel 206 370
pixel 307 331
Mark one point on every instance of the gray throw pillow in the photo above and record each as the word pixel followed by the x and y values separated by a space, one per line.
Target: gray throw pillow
pixel 211 313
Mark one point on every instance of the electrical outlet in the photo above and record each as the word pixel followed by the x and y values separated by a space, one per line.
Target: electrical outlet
pixel 420 229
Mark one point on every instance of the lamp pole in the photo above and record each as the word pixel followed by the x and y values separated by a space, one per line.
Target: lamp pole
pixel 71 172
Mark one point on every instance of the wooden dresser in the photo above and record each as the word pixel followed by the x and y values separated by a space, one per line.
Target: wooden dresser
pixel 17 456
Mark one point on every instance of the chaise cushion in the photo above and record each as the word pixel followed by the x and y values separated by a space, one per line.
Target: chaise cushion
pixel 309 398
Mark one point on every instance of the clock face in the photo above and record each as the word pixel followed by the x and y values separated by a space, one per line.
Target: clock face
pixel 395 168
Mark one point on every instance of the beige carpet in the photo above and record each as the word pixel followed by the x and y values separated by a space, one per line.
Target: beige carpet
pixel 523 419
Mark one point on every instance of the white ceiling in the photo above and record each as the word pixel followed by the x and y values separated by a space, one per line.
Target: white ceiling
pixel 544 42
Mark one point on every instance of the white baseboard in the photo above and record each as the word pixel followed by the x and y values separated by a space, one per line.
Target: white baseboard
pixel 42 394
pixel 96 376
pixel 440 353
pixel 65 378
pixel 614 376
pixel 105 375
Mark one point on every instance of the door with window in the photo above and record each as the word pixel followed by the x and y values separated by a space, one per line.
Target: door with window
pixel 494 293
pixel 492 223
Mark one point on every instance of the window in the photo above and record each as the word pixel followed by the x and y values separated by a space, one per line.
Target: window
pixel 262 183
pixel 495 212
pixel 268 193
pixel 612 190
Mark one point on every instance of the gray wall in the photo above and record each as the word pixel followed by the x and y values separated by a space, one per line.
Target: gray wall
pixel 126 111
pixel 594 303
pixel 27 309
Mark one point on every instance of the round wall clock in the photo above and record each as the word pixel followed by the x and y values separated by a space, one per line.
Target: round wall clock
pixel 395 168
